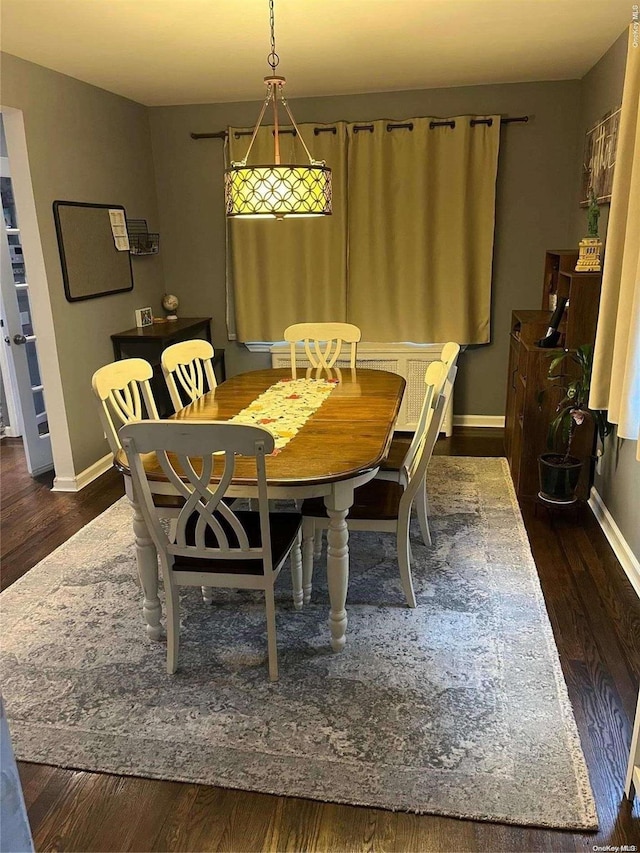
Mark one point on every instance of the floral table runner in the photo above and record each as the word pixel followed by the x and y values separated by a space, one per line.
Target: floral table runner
pixel 286 406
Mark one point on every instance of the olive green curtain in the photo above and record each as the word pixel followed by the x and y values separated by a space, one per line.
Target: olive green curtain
pixel 287 272
pixel 421 222
pixel 406 255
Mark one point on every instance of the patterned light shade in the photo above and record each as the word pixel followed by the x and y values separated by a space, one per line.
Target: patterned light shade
pixel 277 190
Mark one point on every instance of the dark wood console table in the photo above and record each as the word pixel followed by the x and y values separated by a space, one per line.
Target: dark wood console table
pixel 149 342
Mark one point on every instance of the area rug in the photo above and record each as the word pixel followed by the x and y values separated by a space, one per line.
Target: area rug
pixel 458 707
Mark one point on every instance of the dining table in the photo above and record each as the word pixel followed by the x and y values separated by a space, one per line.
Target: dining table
pixel 338 447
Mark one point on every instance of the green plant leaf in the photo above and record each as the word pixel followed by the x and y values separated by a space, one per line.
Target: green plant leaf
pixel 556 361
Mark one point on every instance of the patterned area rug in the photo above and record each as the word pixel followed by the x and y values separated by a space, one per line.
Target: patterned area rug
pixel 457 708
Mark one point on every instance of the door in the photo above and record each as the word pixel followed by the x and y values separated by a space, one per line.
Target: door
pixel 19 338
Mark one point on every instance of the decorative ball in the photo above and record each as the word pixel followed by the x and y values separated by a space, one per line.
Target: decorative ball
pixel 170 304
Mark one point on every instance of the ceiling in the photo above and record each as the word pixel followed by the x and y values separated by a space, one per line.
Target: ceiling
pixel 203 51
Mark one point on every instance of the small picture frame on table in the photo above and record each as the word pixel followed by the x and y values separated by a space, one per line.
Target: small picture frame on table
pixel 144 317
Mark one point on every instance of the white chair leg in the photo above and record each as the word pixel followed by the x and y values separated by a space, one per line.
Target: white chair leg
pixel 404 558
pixel 296 572
pixel 422 506
pixel 309 533
pixel 271 633
pixel 173 626
pixel 317 548
pixel 207 594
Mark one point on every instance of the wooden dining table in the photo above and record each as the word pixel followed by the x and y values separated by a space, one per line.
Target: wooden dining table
pixel 338 448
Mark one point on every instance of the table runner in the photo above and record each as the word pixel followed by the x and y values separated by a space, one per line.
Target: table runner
pixel 285 407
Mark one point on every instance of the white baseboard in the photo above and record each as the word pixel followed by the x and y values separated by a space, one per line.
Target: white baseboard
pixel 621 549
pixel 79 481
pixel 478 420
pixel 11 432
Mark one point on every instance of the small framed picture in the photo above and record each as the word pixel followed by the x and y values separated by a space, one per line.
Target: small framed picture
pixel 144 317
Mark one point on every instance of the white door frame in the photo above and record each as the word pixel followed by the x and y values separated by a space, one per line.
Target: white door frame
pixel 39 292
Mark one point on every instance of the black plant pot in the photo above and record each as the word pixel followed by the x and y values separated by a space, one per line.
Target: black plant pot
pixel 558 479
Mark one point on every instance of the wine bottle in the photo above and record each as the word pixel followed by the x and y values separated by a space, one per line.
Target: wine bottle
pixel 552 336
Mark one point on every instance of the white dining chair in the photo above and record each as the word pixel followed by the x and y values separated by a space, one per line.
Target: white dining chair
pixel 391 468
pixel 323 342
pixel 121 388
pixel 191 364
pixel 210 543
pixel 384 505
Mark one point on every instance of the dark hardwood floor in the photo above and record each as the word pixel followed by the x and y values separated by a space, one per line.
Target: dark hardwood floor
pixel 34 521
pixel 595 616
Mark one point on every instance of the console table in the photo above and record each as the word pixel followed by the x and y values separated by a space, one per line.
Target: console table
pixel 148 342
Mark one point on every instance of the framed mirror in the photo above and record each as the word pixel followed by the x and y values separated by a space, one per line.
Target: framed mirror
pixel 91 264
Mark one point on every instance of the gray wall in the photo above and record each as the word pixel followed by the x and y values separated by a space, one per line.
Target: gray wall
pixel 619 479
pixel 600 91
pixel 89 145
pixel 536 189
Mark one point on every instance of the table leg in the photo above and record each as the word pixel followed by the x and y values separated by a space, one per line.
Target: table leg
pixel 338 503
pixel 147 559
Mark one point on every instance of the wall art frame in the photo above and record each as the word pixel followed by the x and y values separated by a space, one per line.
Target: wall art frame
pixel 600 158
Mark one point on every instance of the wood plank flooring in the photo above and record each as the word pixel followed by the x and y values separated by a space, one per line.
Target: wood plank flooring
pixel 595 616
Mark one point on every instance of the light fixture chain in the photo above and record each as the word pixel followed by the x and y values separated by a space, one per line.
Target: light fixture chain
pixel 273 59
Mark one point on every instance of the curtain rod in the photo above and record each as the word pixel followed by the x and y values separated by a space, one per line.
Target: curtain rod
pixel 222 134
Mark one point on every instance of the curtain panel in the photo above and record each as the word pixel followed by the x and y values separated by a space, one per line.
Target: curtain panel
pixel 407 254
pixel 421 222
pixel 287 272
pixel 616 367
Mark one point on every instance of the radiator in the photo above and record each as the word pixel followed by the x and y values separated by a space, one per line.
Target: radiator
pixel 407 360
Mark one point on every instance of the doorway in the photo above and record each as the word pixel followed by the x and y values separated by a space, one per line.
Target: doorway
pixel 24 412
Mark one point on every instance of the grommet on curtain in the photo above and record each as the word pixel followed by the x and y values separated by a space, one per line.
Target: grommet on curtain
pixel 406 126
pixel 475 121
pixel 318 130
pixel 358 127
pixel 433 124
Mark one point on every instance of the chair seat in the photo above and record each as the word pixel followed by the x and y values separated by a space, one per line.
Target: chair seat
pixel 397 453
pixel 376 500
pixel 284 528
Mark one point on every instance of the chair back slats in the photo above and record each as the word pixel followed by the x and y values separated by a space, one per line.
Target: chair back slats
pixel 191 379
pixel 448 357
pixel 190 363
pixel 435 380
pixel 126 403
pixel 187 453
pixel 121 388
pixel 422 458
pixel 324 358
pixel 203 501
pixel 332 335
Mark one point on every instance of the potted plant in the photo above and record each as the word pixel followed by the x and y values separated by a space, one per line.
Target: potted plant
pixel 559 470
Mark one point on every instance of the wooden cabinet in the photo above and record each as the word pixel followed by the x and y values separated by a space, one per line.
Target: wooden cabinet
pixel 528 413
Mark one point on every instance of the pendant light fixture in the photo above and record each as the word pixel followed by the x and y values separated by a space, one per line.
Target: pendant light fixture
pixel 276 190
